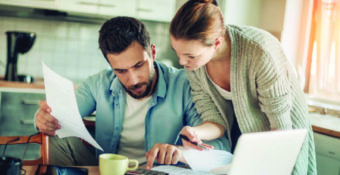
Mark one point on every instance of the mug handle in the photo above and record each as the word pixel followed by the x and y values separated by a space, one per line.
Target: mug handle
pixel 135 166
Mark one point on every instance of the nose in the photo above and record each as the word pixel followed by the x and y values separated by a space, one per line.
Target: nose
pixel 183 61
pixel 133 78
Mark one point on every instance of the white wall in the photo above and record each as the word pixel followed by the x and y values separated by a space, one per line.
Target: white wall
pixel 264 14
pixel 243 12
pixel 70 48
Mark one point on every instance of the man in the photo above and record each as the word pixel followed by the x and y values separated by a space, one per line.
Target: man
pixel 141 105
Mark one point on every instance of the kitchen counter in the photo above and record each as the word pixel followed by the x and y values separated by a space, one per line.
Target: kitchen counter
pixel 325 124
pixel 39 84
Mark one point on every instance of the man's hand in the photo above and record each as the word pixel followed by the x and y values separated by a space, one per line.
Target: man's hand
pixel 44 121
pixel 164 154
pixel 191 134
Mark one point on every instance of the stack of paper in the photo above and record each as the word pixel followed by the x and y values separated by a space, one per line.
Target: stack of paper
pixel 206 162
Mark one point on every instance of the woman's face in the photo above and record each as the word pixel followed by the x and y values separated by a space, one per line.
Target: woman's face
pixel 192 54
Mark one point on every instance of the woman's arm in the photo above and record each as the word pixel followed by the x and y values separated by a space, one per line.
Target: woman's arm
pixel 206 131
pixel 274 89
pixel 213 125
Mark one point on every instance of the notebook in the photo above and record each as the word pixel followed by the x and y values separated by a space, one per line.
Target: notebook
pixel 267 153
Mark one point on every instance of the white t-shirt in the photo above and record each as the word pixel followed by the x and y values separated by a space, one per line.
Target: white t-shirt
pixel 132 142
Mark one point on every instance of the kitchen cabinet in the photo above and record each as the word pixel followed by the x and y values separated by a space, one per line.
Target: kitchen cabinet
pixel 40 4
pixel 327 154
pixel 79 6
pixel 17 109
pixel 155 10
pixel 160 10
pixel 112 8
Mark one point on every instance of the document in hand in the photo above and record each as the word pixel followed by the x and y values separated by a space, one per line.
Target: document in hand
pixel 62 100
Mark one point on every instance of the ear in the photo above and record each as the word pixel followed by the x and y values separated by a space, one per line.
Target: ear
pixel 153 51
pixel 218 42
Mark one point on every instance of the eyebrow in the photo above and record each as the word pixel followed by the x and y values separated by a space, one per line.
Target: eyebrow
pixel 138 63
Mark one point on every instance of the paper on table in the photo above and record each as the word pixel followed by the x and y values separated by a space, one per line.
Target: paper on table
pixel 61 98
pixel 206 160
pixel 173 170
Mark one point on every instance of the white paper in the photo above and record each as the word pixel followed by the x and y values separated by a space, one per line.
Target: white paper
pixel 174 170
pixel 206 160
pixel 62 100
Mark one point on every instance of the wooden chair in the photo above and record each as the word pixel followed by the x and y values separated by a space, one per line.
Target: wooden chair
pixel 40 138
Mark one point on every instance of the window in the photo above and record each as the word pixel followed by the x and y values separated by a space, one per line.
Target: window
pixel 323 61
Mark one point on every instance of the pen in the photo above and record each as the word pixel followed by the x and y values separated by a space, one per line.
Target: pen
pixel 187 139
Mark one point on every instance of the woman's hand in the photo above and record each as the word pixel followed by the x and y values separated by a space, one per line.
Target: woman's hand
pixel 192 139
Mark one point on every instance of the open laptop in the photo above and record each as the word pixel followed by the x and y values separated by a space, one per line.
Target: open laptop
pixel 267 153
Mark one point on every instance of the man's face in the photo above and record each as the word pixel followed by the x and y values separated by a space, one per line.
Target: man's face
pixel 134 69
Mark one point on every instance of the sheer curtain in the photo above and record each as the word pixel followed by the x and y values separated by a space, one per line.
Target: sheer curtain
pixel 311 39
pixel 324 51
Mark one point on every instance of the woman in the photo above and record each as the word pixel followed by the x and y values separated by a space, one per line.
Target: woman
pixel 241 80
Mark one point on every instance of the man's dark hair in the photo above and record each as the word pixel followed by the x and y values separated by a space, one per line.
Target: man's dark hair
pixel 118 33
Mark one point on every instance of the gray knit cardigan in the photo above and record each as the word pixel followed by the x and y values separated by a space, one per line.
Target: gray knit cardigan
pixel 265 92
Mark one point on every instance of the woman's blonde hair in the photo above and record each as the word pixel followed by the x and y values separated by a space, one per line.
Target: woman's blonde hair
pixel 198 20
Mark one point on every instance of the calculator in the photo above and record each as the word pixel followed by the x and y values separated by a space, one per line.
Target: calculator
pixel 145 172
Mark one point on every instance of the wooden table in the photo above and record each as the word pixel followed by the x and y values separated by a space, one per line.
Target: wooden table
pixel 93 170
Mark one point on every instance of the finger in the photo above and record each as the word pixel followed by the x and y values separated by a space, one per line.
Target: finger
pixel 151 157
pixel 44 106
pixel 210 147
pixel 40 125
pixel 187 131
pixel 169 153
pixel 192 137
pixel 51 119
pixel 44 125
pixel 176 156
pixel 50 125
pixel 196 140
pixel 43 115
pixel 161 154
pixel 147 155
pixel 187 144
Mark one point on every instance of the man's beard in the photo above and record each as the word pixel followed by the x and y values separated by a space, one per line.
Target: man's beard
pixel 130 89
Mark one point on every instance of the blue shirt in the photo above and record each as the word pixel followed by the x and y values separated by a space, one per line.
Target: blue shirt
pixel 170 108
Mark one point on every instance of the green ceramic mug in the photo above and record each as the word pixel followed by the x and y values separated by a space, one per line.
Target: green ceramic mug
pixel 114 164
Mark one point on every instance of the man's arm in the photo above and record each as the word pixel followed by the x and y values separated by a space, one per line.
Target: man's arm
pixel 171 154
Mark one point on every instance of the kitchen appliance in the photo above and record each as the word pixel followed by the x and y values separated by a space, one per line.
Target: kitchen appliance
pixel 17 42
